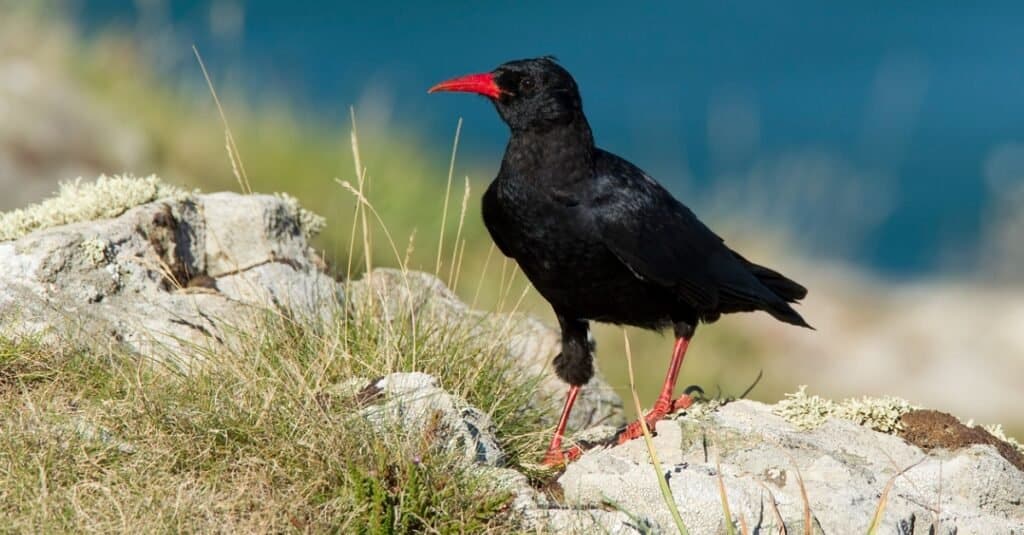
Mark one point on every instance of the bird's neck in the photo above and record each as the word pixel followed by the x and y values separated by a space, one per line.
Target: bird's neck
pixel 563 153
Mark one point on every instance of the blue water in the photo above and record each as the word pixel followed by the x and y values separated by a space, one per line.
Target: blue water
pixel 902 101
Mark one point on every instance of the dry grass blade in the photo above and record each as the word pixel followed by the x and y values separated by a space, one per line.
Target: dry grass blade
pixel 236 160
pixel 666 491
pixel 458 266
pixel 876 520
pixel 775 509
pixel 447 196
pixel 727 514
pixel 361 194
pixel 458 236
pixel 483 272
pixel 808 517
pixel 409 249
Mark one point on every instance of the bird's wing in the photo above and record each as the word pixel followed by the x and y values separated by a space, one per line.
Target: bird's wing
pixel 656 236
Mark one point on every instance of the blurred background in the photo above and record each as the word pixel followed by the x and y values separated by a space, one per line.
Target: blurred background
pixel 874 152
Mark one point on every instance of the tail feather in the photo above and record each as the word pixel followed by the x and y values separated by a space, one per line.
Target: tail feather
pixel 787 289
pixel 781 292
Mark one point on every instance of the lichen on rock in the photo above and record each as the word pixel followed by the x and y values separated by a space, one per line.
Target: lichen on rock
pixel 809 412
pixel 997 431
pixel 310 222
pixel 95 250
pixel 78 201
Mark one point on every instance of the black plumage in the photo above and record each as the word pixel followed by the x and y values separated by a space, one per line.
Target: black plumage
pixel 600 239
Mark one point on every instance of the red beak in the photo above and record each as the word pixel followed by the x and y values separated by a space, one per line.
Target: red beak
pixel 481 84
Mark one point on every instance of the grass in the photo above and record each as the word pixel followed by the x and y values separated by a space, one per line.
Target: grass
pixel 260 439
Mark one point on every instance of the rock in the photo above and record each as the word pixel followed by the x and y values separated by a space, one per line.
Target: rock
pixel 757 455
pixel 415 404
pixel 532 345
pixel 845 468
pixel 171 279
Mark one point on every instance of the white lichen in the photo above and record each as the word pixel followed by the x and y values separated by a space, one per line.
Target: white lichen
pixel 881 414
pixel 78 201
pixel 997 431
pixel 95 249
pixel 808 412
pixel 309 222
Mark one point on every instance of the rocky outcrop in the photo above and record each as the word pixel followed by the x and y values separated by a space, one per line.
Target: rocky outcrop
pixel 170 278
pixel 764 462
pixel 760 459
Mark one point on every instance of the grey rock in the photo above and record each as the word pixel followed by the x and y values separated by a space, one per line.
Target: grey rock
pixel 171 279
pixel 416 404
pixel 845 468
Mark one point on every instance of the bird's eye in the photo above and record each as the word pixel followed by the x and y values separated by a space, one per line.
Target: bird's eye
pixel 526 84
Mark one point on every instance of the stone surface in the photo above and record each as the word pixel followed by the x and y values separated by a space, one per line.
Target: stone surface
pixel 759 457
pixel 845 468
pixel 416 404
pixel 172 278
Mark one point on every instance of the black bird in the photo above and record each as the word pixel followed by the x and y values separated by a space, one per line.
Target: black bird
pixel 600 239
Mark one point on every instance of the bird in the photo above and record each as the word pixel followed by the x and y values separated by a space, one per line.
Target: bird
pixel 601 240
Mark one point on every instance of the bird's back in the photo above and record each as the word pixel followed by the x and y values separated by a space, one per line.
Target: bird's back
pixel 663 241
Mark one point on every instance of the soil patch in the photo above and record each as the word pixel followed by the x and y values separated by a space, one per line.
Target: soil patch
pixel 928 430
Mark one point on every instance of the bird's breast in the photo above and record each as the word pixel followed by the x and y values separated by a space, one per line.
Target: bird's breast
pixel 561 252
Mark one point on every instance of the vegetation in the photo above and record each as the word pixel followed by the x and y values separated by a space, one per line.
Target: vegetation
pixel 263 439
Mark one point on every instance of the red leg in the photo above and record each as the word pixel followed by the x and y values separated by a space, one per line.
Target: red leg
pixel 554 456
pixel 664 405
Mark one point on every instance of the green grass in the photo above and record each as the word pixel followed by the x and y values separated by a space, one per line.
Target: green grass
pixel 255 440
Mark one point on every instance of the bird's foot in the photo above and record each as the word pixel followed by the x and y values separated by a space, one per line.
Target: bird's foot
pixel 662 408
pixel 556 458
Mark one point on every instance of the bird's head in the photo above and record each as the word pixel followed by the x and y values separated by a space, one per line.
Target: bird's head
pixel 529 94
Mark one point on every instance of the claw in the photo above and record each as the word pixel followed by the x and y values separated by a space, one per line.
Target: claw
pixel 660 411
pixel 558 458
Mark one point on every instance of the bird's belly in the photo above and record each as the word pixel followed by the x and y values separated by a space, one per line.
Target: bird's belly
pixel 585 280
pixel 570 266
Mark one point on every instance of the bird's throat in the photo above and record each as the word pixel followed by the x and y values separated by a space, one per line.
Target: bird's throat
pixel 563 153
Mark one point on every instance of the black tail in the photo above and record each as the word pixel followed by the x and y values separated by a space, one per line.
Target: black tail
pixel 780 292
pixel 788 290
pixel 745 287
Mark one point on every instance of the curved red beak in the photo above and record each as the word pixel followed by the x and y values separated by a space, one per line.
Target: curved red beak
pixel 481 84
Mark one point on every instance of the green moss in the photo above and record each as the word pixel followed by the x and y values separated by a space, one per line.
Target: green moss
pixel 85 201
pixel 809 412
